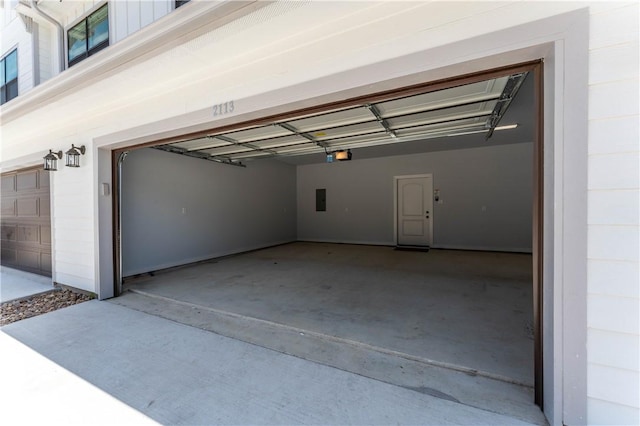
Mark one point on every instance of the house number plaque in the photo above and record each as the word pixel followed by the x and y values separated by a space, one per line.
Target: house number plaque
pixel 223 108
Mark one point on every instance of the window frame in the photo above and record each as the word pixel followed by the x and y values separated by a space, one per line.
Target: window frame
pixel 4 87
pixel 88 51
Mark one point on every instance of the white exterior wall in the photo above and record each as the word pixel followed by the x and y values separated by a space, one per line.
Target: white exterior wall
pixel 129 16
pixel 126 17
pixel 47 40
pixel 613 216
pixel 14 36
pixel 300 42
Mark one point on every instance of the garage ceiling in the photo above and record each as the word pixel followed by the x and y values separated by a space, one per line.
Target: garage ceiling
pixel 475 108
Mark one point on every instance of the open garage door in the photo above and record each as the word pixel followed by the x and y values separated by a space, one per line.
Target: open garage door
pixel 26 221
pixel 325 182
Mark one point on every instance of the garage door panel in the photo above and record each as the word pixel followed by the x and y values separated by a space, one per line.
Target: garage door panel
pixel 28 180
pixel 8 207
pixel 26 221
pixel 43 179
pixel 27 207
pixel 30 234
pixel 44 206
pixel 45 262
pixel 45 234
pixel 8 184
pixel 8 256
pixel 29 259
pixel 8 233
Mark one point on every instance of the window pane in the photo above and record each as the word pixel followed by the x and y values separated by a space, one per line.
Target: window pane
pixel 12 90
pixel 11 62
pixel 98 26
pixel 2 80
pixel 76 37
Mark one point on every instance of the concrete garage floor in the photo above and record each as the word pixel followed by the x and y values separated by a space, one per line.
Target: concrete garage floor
pixel 452 324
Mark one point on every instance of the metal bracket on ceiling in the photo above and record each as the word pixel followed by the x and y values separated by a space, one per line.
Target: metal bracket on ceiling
pixel 248 145
pixel 301 134
pixel 197 154
pixel 508 94
pixel 382 121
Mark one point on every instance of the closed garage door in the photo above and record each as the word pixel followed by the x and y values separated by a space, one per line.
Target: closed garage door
pixel 26 221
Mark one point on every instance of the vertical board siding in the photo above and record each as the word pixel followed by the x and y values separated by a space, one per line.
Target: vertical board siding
pixel 147 15
pixel 130 16
pixel 133 16
pixel 161 8
pixel 46 49
pixel 613 304
pixel 118 20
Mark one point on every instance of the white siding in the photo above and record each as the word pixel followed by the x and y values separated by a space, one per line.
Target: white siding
pixel 14 36
pixel 127 17
pixel 46 50
pixel 613 270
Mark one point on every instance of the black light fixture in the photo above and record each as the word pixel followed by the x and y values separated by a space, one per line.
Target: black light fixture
pixel 343 155
pixel 73 155
pixel 51 160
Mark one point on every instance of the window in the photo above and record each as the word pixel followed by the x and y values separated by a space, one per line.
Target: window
pixel 9 76
pixel 181 2
pixel 88 36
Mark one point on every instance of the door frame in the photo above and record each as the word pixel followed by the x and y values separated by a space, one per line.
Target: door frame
pixel 395 205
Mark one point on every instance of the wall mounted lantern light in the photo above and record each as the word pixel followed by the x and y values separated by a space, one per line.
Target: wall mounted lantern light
pixel 51 160
pixel 73 156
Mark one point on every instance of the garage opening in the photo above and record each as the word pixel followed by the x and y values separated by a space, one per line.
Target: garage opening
pixel 394 236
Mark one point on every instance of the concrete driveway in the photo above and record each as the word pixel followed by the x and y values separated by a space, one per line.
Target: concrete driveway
pixel 16 284
pixel 101 363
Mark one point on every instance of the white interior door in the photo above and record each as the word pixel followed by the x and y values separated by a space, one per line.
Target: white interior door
pixel 414 211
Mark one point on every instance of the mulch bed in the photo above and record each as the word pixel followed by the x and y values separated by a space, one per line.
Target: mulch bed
pixel 41 304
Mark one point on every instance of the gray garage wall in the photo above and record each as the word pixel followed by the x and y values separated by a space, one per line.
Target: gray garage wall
pixel 227 209
pixel 486 194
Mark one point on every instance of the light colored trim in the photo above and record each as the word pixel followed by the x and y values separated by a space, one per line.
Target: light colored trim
pixel 395 205
pixel 103 224
pixel 52 212
pixel 35 51
pixel 171 30
pixel 355 242
pixel 205 258
pixel 517 250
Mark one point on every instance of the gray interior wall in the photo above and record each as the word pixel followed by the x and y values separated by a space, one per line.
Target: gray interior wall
pixel 486 198
pixel 227 209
